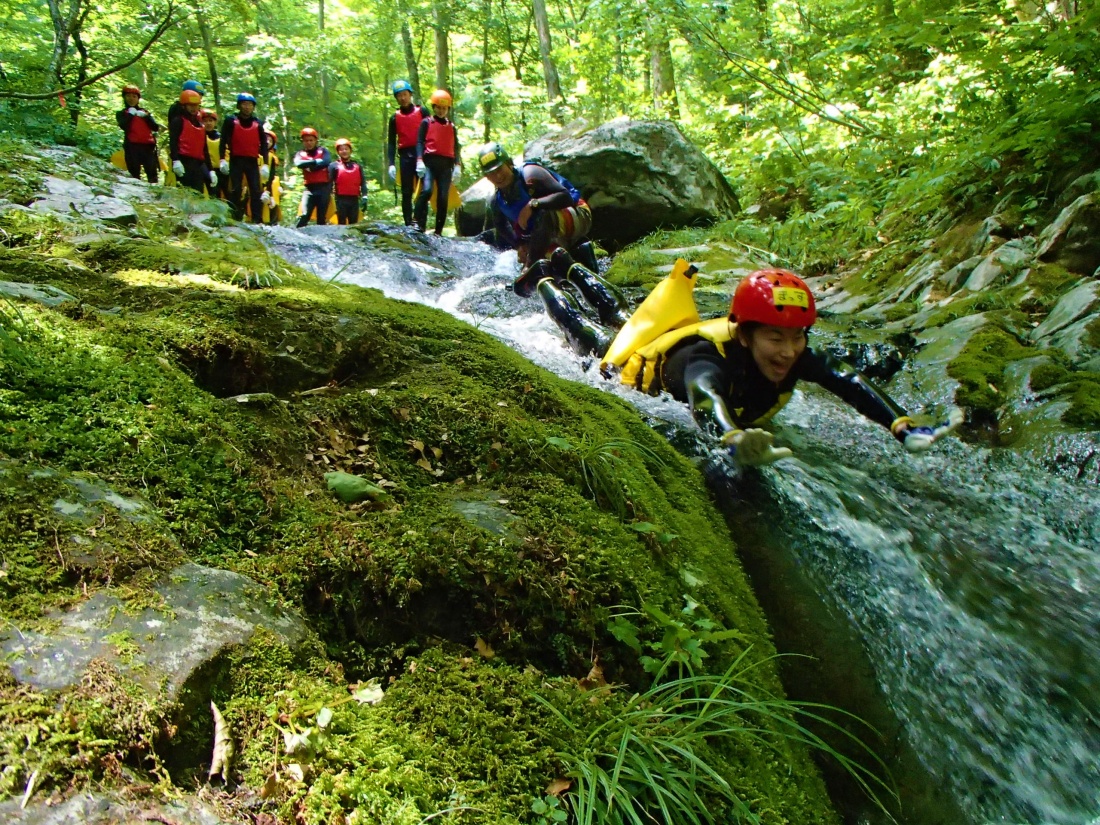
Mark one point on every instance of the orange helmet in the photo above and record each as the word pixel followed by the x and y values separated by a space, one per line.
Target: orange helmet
pixel 441 97
pixel 308 132
pixel 131 89
pixel 190 96
pixel 208 114
pixel 776 297
pixel 342 142
pixel 271 134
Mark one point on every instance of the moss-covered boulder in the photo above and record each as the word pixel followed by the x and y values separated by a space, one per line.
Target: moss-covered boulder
pixel 520 513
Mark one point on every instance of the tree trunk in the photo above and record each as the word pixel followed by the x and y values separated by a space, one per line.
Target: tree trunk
pixel 662 72
pixel 410 55
pixel 324 76
pixel 63 25
pixel 442 14
pixel 765 31
pixel 208 48
pixel 549 70
pixel 82 75
pixel 486 70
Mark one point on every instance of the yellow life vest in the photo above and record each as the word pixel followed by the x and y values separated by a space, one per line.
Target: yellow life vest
pixel 644 367
pixel 214 144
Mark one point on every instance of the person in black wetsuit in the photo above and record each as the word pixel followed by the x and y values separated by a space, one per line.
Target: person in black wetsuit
pixel 187 146
pixel 401 147
pixel 438 161
pixel 139 146
pixel 243 144
pixel 737 373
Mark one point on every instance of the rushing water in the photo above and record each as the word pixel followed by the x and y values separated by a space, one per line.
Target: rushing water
pixel 955 593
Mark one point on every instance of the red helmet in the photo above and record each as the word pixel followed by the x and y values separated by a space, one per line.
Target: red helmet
pixel 190 96
pixel 342 142
pixel 309 131
pixel 441 97
pixel 131 89
pixel 208 114
pixel 775 297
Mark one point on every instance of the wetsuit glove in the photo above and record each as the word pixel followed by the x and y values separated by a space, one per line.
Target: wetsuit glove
pixel 421 169
pixel 393 172
pixel 224 167
pixel 753 448
pixel 177 167
pixel 266 198
pixel 919 439
pixel 213 178
pixel 133 111
pixel 457 171
pixel 265 173
pixel 363 203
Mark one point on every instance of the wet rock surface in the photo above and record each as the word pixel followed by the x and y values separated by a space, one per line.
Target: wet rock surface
pixel 201 611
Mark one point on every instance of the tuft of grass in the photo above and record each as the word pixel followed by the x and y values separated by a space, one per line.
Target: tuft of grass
pixel 657 760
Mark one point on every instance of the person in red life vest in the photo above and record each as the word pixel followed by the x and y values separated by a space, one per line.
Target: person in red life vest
pixel 534 209
pixel 139 144
pixel 176 109
pixel 313 162
pixel 187 147
pixel 349 184
pixel 437 161
pixel 401 151
pixel 209 120
pixel 244 143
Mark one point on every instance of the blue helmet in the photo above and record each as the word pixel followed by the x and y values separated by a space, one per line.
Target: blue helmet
pixel 245 97
pixel 193 86
pixel 401 86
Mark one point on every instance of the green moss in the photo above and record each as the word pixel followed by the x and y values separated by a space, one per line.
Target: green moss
pixel 980 366
pixel 68 740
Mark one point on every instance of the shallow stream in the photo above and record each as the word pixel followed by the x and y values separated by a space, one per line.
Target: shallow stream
pixel 949 599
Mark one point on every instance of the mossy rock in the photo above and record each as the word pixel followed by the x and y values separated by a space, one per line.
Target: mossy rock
pixel 146 397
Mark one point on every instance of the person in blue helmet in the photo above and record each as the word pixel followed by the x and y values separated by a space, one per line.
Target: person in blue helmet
pixel 401 149
pixel 244 142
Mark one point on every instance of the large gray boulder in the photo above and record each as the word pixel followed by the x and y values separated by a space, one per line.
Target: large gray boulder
pixel 1073 239
pixel 638 176
pixel 470 217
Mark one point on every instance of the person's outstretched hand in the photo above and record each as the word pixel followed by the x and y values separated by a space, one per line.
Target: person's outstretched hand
pixel 919 439
pixel 753 447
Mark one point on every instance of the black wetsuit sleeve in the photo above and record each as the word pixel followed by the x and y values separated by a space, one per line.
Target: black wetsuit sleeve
pixel 362 181
pixel 391 145
pixel 263 139
pixel 421 138
pixel 123 118
pixel 175 129
pixel 544 186
pixel 227 137
pixel 843 381
pixel 705 384
pixel 458 146
pixel 153 125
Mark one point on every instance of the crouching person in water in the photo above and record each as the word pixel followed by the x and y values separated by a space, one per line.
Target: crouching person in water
pixel 542 215
pixel 737 372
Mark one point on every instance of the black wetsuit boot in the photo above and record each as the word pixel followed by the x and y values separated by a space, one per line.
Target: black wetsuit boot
pixel 607 300
pixel 585 254
pixel 584 337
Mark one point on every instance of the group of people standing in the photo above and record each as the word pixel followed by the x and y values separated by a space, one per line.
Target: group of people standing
pixel 239 163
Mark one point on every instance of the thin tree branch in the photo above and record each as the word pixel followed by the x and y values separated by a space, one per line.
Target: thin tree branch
pixel 161 29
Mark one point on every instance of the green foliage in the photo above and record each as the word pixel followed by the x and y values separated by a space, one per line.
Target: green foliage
pixel 658 759
pixel 683 641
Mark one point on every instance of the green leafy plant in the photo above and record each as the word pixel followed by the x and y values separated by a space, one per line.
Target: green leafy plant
pixel 683 641
pixel 549 810
pixel 654 761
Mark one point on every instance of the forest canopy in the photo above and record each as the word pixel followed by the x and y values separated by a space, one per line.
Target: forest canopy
pixel 829 113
